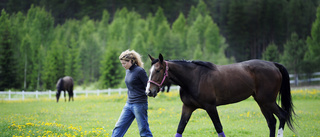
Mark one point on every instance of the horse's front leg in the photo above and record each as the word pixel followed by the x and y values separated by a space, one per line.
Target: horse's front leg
pixel 185 116
pixel 213 113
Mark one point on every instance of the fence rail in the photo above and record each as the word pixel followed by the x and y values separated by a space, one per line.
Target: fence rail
pixel 21 95
pixel 304 78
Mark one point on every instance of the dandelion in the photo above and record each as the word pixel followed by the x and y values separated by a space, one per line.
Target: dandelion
pixel 29 124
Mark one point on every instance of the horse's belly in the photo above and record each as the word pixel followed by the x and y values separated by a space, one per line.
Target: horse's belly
pixel 233 94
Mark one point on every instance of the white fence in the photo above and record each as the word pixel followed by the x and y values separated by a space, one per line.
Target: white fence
pixel 22 95
pixel 296 80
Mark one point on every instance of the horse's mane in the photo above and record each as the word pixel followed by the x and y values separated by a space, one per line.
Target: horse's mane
pixel 205 64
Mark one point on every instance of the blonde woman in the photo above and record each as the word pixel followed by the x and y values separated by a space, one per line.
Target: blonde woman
pixel 137 102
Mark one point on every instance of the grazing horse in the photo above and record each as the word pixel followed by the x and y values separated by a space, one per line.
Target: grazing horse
pixel 65 84
pixel 164 87
pixel 206 86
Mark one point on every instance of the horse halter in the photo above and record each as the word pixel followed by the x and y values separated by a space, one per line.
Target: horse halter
pixel 164 77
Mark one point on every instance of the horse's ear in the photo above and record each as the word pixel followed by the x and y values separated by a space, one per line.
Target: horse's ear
pixel 151 57
pixel 160 58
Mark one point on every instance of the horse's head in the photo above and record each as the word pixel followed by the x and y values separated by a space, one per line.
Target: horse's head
pixel 158 75
pixel 59 88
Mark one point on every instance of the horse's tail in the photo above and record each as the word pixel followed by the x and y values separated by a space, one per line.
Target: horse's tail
pixel 285 95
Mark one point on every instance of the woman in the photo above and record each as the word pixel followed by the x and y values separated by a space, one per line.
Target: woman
pixel 137 102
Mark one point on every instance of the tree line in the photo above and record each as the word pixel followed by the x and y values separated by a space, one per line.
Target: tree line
pixel 249 26
pixel 35 51
pixel 40 53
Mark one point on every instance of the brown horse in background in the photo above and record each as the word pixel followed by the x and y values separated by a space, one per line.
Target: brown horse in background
pixel 65 84
pixel 206 86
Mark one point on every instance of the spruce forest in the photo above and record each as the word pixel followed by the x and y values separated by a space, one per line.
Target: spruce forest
pixel 44 40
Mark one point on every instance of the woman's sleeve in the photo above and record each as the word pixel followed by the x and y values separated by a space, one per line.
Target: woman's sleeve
pixel 143 77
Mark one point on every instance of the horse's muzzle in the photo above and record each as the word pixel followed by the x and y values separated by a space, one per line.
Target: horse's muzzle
pixel 151 93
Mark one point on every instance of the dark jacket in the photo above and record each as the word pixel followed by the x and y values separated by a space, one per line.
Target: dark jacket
pixel 136 80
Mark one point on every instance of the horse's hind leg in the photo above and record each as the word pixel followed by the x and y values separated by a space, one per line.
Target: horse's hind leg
pixel 70 92
pixel 271 120
pixel 281 114
pixel 270 109
pixel 65 99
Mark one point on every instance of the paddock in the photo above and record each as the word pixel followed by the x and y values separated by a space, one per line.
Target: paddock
pixel 96 115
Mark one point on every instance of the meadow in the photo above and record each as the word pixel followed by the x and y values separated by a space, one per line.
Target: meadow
pixel 97 115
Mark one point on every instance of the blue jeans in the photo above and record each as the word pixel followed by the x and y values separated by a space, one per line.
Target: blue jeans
pixel 129 112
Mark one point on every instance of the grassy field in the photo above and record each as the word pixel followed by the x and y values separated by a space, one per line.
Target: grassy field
pixel 97 115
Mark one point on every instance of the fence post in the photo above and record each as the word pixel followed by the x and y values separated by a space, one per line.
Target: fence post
pixel 109 91
pixel 37 94
pixel 74 93
pixel 86 93
pixel 98 92
pixel 49 94
pixel 9 94
pixel 119 91
pixel 296 80
pixel 22 94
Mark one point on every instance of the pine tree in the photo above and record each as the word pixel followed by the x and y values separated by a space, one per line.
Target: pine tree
pixel 293 54
pixel 297 11
pixel 197 54
pixel 53 68
pixel 159 18
pixel 200 9
pixel 313 42
pixel 111 70
pixel 192 41
pixel 37 28
pixel 212 36
pixel 7 61
pixel 179 34
pixel 16 21
pixel 237 31
pixel 271 53
pixel 103 29
pixel 90 51
pixel 72 65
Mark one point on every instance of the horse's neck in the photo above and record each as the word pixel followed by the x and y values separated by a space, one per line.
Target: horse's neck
pixel 179 75
pixel 186 79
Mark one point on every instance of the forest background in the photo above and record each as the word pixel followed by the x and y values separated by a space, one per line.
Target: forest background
pixel 43 40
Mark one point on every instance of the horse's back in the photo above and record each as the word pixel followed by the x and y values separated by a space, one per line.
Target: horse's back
pixel 68 79
pixel 68 82
pixel 262 70
pixel 259 65
pixel 249 78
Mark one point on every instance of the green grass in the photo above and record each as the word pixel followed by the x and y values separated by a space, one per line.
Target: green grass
pixel 97 115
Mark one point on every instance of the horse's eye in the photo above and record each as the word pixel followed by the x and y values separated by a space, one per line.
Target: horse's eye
pixel 157 71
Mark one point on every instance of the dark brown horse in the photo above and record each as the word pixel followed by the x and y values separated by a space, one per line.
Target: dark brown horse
pixel 206 86
pixel 65 84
